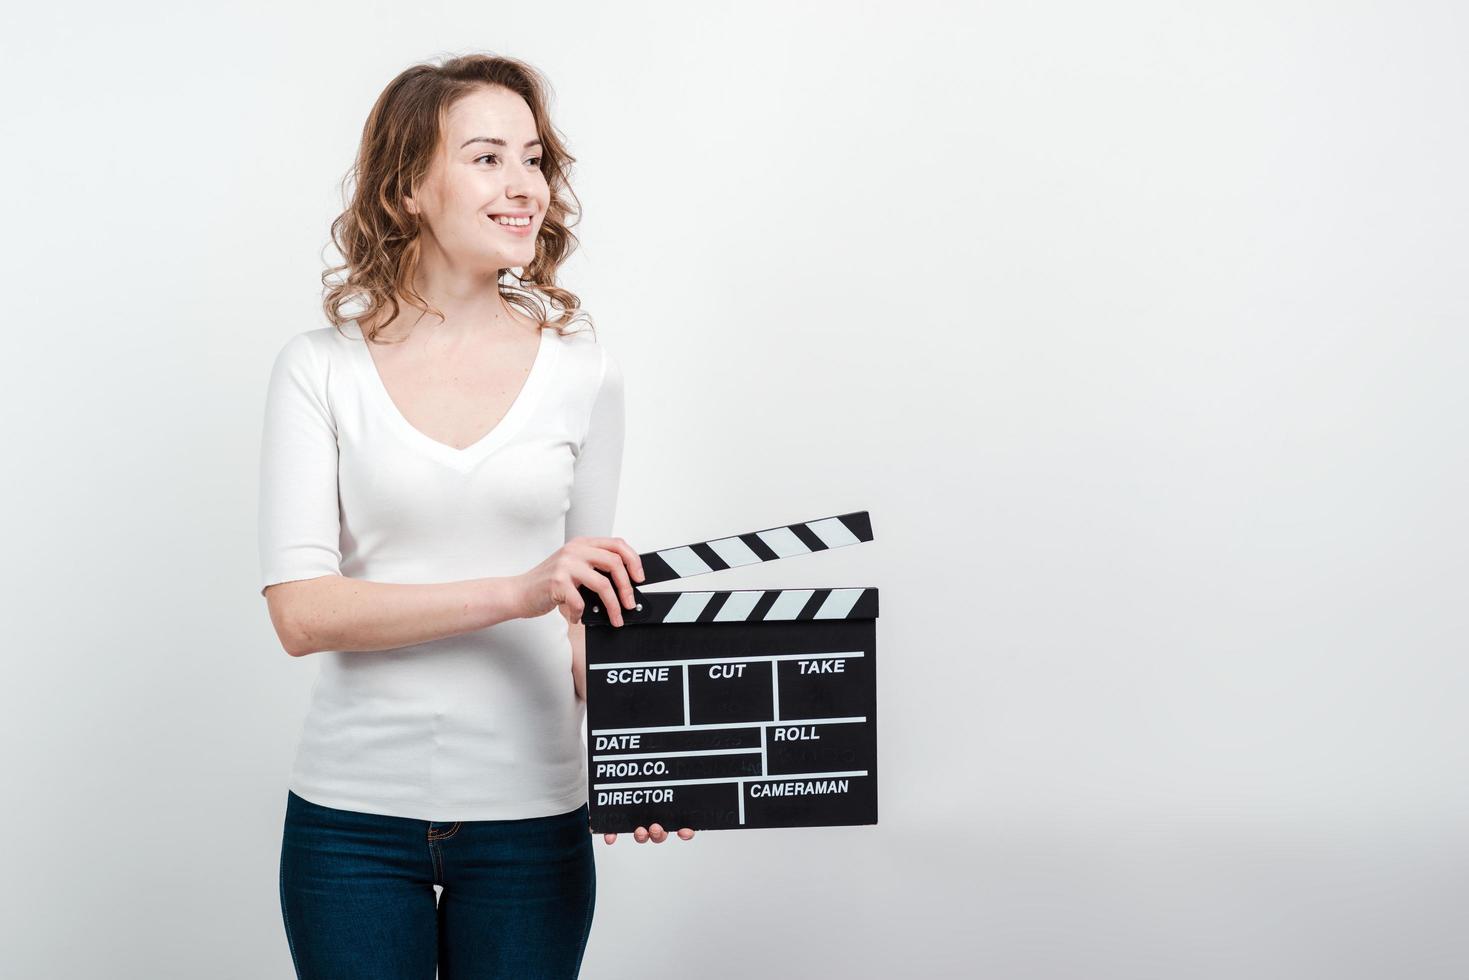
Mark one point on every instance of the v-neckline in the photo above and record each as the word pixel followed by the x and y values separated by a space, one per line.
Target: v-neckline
pixel 472 454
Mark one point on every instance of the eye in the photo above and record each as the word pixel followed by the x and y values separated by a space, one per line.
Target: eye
pixel 534 161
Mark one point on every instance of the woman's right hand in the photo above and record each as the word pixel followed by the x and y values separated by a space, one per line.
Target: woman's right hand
pixel 553 583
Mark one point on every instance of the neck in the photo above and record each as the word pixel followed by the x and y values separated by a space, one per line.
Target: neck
pixel 470 305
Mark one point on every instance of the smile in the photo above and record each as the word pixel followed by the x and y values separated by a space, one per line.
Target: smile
pixel 519 226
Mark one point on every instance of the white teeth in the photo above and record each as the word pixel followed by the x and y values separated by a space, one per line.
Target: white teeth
pixel 521 222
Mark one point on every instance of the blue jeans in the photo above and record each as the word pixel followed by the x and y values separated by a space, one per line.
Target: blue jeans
pixel 357 895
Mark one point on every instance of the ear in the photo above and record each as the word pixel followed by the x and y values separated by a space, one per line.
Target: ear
pixel 408 189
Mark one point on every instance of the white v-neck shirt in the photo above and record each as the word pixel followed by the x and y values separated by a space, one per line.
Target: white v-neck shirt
pixel 484 725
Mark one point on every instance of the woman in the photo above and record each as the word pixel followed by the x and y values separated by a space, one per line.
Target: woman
pixel 439 474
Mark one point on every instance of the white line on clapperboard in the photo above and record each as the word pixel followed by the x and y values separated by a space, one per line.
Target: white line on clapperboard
pixel 732 779
pixel 739 781
pixel 721 724
pixel 724 660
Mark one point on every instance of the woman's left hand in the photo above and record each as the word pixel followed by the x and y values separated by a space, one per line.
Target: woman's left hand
pixel 655 833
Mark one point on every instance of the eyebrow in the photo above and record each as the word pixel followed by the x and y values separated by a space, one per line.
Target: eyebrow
pixel 496 140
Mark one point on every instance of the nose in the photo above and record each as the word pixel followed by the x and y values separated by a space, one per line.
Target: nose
pixel 517 181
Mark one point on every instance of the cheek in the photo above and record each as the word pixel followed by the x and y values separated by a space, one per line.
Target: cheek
pixel 469 192
pixel 470 201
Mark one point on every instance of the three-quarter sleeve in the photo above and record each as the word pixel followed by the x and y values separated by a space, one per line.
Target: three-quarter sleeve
pixel 300 516
pixel 598 466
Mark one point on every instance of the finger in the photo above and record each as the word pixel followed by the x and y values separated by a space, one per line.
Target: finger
pixel 626 552
pixel 585 575
pixel 631 558
pixel 612 561
pixel 640 835
pixel 658 834
pixel 610 838
pixel 599 583
pixel 686 834
pixel 569 601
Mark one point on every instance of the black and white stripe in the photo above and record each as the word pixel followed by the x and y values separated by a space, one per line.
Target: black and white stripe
pixel 756 546
pixel 745 606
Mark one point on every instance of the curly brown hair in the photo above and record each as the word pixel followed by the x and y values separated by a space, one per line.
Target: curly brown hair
pixel 379 238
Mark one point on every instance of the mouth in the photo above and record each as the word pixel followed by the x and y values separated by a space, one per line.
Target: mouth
pixel 519 225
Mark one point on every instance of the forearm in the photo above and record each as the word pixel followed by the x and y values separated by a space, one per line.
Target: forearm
pixel 339 613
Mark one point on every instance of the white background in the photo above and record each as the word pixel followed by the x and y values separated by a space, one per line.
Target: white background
pixel 1138 328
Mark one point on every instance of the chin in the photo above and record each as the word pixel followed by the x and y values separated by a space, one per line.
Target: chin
pixel 506 260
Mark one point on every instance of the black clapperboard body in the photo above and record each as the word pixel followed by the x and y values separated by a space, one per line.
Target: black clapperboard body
pixel 736 709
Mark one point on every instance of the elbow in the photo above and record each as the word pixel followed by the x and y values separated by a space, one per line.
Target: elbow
pixel 282 617
pixel 292 644
pixel 292 640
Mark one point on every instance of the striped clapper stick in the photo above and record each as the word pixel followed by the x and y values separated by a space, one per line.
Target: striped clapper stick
pixel 738 709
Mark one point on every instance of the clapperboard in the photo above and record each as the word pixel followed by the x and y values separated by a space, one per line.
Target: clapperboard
pixel 738 709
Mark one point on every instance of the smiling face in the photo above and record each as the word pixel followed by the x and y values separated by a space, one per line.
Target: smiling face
pixel 486 171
